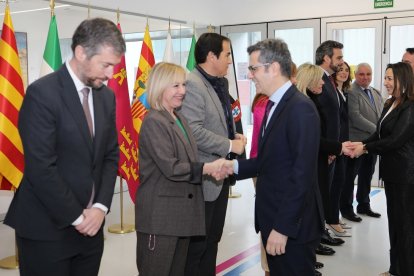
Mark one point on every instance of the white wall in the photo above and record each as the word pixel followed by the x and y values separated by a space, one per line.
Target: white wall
pixel 214 12
pixel 248 11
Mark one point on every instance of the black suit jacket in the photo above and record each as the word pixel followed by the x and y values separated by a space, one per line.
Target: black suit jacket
pixel 329 109
pixel 287 194
pixel 61 160
pixel 394 142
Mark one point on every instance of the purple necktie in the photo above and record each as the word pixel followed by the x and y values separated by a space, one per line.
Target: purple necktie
pixel 85 105
pixel 269 106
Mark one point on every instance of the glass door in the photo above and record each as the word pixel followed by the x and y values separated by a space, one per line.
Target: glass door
pixel 362 43
pixel 400 36
pixel 302 37
pixel 242 36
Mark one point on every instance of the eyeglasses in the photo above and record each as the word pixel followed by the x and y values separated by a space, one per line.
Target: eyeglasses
pixel 253 68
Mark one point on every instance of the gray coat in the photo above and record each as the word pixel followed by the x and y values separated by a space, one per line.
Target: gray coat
pixel 169 200
pixel 203 110
pixel 363 117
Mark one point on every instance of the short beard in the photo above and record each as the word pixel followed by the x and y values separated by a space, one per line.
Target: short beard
pixel 91 83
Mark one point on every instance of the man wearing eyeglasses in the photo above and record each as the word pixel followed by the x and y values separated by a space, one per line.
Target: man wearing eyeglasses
pixel 288 210
pixel 207 109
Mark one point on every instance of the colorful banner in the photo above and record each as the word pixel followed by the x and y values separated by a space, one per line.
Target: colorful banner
pixel 52 57
pixel 127 135
pixel 11 98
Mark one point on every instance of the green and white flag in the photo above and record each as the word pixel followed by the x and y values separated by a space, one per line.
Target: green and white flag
pixel 191 63
pixel 52 57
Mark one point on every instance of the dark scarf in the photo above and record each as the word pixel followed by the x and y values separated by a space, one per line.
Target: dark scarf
pixel 221 87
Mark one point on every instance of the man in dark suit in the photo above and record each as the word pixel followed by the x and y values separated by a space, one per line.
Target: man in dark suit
pixel 329 57
pixel 288 210
pixel 71 158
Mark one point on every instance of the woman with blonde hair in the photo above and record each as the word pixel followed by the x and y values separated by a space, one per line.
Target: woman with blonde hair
pixel 309 78
pixel 169 201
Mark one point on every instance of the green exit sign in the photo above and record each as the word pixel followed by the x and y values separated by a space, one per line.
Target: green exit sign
pixel 383 4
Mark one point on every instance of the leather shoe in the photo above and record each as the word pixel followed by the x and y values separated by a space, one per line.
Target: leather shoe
pixel 327 239
pixel 352 217
pixel 317 273
pixel 324 250
pixel 369 213
pixel 318 265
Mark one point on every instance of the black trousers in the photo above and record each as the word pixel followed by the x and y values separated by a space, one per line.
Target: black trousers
pixel 70 257
pixel 299 260
pixel 364 167
pixel 338 183
pixel 400 208
pixel 391 212
pixel 202 251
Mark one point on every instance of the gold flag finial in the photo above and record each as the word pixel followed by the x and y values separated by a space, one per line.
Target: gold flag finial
pixel 210 28
pixel 117 16
pixel 52 8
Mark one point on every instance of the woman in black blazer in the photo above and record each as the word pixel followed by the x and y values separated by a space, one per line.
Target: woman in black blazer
pixel 394 142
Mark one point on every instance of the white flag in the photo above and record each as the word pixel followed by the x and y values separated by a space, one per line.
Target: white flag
pixel 169 51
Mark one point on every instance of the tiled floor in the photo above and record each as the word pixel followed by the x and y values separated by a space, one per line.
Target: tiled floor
pixel 364 254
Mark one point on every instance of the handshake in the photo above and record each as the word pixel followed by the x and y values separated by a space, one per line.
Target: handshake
pixel 219 169
pixel 353 149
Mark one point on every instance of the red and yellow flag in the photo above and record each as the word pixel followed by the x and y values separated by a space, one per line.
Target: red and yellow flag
pixel 146 62
pixel 11 98
pixel 140 105
pixel 127 135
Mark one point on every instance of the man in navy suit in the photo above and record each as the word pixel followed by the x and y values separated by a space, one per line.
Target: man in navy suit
pixel 288 210
pixel 67 126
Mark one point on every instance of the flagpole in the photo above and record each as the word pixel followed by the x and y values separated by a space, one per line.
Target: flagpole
pixel 121 228
pixel 11 262
pixel 89 9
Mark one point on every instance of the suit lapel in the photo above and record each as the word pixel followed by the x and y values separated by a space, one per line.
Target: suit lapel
pixel 71 98
pixel 367 100
pixel 390 116
pixel 214 98
pixel 190 147
pixel 275 116
pixel 377 100
pixel 330 88
pixel 99 116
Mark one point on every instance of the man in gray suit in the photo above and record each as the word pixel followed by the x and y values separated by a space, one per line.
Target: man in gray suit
pixel 365 106
pixel 207 109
